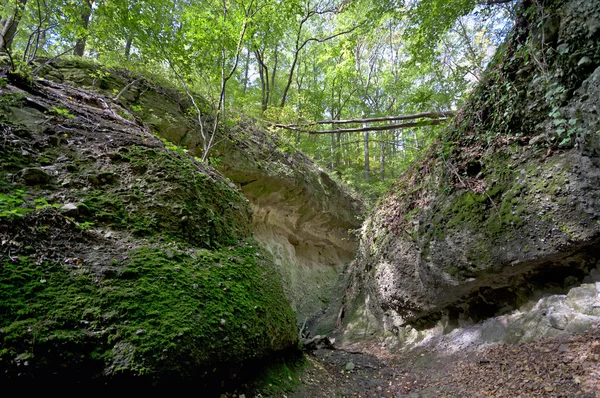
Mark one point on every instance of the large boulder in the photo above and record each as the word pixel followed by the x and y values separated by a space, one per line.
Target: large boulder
pixel 131 261
pixel 507 201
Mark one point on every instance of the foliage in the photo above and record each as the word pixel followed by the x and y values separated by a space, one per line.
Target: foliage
pixel 13 205
pixel 61 113
pixel 289 60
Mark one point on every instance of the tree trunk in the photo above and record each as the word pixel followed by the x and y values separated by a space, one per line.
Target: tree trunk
pixel 273 73
pixel 382 157
pixel 263 72
pixel 128 47
pixel 85 21
pixel 366 151
pixel 333 151
pixel 339 145
pixel 246 69
pixel 10 25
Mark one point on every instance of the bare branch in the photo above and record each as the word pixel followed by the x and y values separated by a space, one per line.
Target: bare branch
pixel 430 115
pixel 127 87
pixel 373 128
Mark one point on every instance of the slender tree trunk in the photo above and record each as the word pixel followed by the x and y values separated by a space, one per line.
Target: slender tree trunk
pixel 403 146
pixel 273 73
pixel 339 145
pixel 290 78
pixel 366 151
pixel 85 22
pixel 381 157
pixel 333 151
pixel 264 80
pixel 128 47
pixel 10 25
pixel 246 69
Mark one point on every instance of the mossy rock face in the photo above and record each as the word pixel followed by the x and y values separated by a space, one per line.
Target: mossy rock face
pixel 155 310
pixel 130 261
pixel 164 109
pixel 292 200
pixel 508 197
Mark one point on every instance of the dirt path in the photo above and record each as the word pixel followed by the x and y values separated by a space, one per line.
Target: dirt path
pixel 566 367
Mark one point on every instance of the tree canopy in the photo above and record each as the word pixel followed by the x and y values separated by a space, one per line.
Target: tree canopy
pixel 288 62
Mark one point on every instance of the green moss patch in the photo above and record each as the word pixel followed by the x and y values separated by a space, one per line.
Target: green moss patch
pixel 168 311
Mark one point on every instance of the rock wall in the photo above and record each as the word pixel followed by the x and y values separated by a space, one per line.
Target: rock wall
pixel 300 215
pixel 507 202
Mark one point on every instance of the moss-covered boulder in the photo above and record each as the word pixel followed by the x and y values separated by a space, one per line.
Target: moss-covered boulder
pixel 128 259
pixel 300 215
pixel 508 200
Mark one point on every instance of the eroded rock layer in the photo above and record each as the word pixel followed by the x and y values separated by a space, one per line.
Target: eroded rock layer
pixel 301 216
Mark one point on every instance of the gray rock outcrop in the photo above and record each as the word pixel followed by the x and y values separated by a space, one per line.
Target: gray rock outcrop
pixel 507 203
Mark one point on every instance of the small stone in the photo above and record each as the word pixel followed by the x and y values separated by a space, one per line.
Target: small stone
pixel 584 61
pixel 223 322
pixel 350 366
pixel 169 253
pixel 70 209
pixel 562 48
pixel 34 176
pixel 139 331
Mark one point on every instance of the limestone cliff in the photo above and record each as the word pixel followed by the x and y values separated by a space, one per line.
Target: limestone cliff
pixel 507 201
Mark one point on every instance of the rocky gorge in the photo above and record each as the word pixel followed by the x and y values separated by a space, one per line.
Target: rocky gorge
pixel 126 260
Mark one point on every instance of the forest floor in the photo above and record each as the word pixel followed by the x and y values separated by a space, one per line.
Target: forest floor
pixel 563 367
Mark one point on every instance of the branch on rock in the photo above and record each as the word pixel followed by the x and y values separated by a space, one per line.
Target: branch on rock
pixel 318 341
pixel 127 87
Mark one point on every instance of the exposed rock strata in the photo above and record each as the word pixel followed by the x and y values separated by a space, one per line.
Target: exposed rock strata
pixel 301 216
